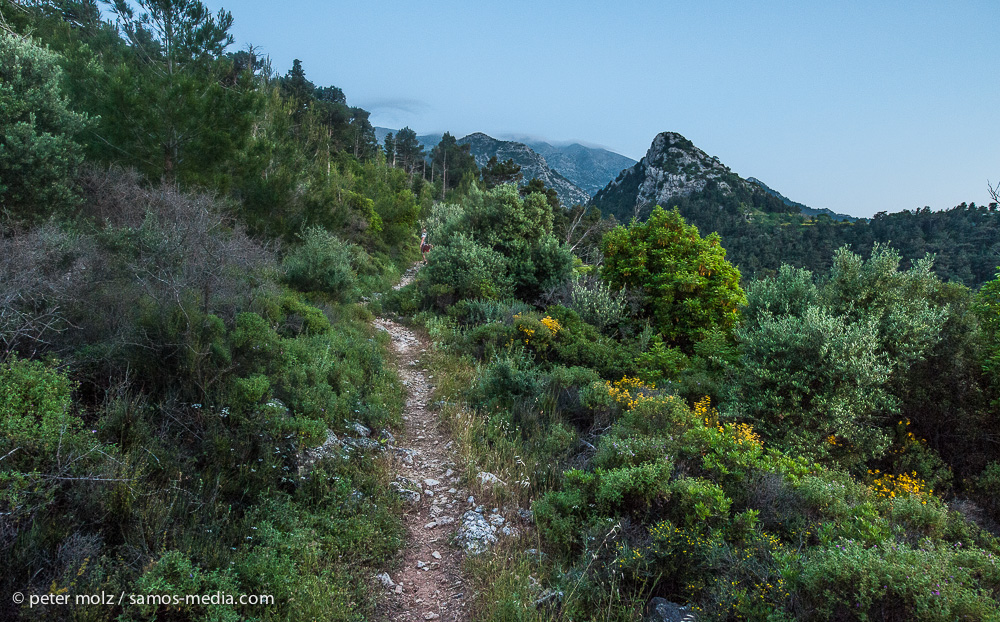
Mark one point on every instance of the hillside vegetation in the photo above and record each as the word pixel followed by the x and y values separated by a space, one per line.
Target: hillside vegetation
pixel 805 446
pixel 193 399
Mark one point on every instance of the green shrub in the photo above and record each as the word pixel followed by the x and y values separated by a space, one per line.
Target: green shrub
pixel 37 423
pixel 494 246
pixel 487 341
pixel 322 262
pixel 463 268
pixel 814 384
pixel 174 574
pixel 476 312
pixel 579 344
pixel 615 451
pixel 852 581
pixel 697 500
pixel 507 380
pixel 633 488
pixel 985 488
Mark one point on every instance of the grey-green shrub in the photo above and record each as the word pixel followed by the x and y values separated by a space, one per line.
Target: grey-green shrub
pixel 596 303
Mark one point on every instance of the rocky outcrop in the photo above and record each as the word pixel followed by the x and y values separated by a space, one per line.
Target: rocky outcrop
pixel 672 167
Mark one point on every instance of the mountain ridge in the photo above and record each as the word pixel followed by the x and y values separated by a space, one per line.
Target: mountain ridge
pixel 575 171
pixel 533 164
pixel 804 209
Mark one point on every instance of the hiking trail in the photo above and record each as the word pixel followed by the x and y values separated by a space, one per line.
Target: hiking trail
pixel 428 585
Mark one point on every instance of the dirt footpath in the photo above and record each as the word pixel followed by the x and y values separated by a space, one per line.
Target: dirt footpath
pixel 429 584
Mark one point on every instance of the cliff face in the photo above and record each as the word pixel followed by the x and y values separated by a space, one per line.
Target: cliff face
pixel 672 167
pixel 533 164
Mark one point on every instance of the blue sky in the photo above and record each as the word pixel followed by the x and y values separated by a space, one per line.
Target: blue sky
pixel 854 106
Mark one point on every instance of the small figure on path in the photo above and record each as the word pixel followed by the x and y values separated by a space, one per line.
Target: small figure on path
pixel 424 246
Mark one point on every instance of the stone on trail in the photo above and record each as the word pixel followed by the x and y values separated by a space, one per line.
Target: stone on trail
pixel 662 610
pixel 359 429
pixel 476 533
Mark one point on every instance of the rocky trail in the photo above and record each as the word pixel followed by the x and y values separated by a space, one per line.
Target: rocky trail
pixel 428 584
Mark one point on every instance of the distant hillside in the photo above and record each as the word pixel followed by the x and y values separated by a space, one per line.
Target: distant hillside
pixel 590 168
pixel 804 209
pixel 575 172
pixel 533 165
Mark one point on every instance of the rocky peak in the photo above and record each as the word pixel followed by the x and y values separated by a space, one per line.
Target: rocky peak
pixel 672 167
pixel 675 167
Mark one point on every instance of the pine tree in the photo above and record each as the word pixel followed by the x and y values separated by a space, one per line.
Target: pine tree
pixel 38 153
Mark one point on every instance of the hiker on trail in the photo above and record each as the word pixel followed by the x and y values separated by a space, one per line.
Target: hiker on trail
pixel 424 246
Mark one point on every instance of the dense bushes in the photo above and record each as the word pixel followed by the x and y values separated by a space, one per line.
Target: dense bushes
pixel 705 512
pixel 157 454
pixel 494 245
pixel 827 370
pixel 811 493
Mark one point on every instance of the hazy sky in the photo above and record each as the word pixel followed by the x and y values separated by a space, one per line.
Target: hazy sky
pixel 854 106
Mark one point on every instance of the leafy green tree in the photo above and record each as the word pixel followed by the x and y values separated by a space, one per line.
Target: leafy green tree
pixel 362 134
pixel 390 149
pixel 295 85
pixel 897 303
pixel 39 155
pixel 409 152
pixel 988 310
pixel 537 185
pixel 691 288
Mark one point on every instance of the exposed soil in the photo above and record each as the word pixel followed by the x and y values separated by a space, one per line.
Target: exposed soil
pixel 428 584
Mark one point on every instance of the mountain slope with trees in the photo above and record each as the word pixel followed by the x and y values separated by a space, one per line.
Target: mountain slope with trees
pixel 533 165
pixel 762 229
